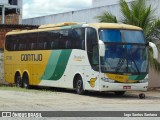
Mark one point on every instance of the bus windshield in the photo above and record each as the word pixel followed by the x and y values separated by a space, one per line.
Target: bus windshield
pixel 125 52
pixel 122 36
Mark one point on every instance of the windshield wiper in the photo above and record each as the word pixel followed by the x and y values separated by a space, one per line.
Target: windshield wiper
pixel 120 63
pixel 135 65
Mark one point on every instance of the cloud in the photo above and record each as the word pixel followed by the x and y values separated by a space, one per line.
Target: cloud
pixel 35 8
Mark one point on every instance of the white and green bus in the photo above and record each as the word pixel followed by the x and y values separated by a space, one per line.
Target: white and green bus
pixel 92 57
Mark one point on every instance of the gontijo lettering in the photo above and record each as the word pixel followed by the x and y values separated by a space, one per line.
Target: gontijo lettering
pixel 31 57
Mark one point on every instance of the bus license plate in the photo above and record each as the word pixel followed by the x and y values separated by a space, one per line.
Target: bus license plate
pixel 126 87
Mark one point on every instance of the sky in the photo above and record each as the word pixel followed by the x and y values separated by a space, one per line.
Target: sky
pixel 36 8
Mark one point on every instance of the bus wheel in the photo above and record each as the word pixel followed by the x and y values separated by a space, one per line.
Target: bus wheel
pixel 26 81
pixel 79 86
pixel 119 93
pixel 142 96
pixel 18 80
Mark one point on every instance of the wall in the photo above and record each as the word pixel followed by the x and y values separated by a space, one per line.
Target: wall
pixel 6 28
pixel 3 2
pixel 11 19
pixel 86 15
pixel 3 31
pixel 1 68
pixel 154 77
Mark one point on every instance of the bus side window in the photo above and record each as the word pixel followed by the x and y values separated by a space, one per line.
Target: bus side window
pixel 9 43
pixel 54 40
pixel 52 45
pixel 78 37
pixel 16 42
pixel 68 44
pixel 32 41
pixel 61 42
pixel 40 46
pixel 45 46
pixel 20 46
pixel 33 46
pixel 14 47
pixel 22 42
pixel 40 40
pixel 63 39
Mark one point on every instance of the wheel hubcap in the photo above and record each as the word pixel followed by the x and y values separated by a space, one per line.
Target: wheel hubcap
pixel 25 82
pixel 18 81
pixel 79 84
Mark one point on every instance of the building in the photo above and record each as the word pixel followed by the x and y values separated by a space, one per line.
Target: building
pixel 10 11
pixel 10 18
pixel 86 15
pixel 4 28
pixel 98 3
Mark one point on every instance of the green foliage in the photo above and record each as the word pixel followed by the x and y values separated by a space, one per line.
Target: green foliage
pixel 37 90
pixel 153 31
pixel 106 16
pixel 140 14
pixel 126 12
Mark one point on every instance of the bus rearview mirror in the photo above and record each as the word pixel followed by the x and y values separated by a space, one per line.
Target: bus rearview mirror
pixel 155 50
pixel 101 48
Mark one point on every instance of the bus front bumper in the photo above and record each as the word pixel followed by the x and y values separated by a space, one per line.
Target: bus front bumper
pixel 105 86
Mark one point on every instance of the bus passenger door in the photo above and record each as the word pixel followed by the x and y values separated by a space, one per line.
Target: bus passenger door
pixel 92 69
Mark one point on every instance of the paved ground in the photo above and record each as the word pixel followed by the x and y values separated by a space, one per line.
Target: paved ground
pixel 68 100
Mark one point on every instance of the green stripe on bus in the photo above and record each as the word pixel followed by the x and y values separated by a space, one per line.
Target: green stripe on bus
pixel 137 77
pixel 141 77
pixel 56 65
pixel 51 65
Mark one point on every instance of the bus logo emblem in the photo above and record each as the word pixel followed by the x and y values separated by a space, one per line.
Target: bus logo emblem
pixel 92 82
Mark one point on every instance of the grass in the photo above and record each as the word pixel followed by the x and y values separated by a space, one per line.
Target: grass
pixel 33 90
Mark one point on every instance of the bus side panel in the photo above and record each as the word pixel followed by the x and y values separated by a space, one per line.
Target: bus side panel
pixel 34 74
pixel 37 72
pixel 8 68
pixel 9 76
pixel 91 78
pixel 38 69
pixel 79 64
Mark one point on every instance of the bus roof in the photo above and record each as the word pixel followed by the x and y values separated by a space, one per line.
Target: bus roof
pixel 115 26
pixel 59 26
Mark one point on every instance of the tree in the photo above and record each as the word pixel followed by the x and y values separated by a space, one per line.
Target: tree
pixel 138 14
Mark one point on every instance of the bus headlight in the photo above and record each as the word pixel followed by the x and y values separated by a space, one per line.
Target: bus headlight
pixel 108 80
pixel 105 79
pixel 111 81
pixel 144 81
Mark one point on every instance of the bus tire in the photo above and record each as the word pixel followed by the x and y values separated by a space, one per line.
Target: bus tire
pixel 119 93
pixel 79 86
pixel 26 81
pixel 18 80
pixel 142 96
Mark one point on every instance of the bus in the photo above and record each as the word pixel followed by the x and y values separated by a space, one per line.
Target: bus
pixel 85 57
